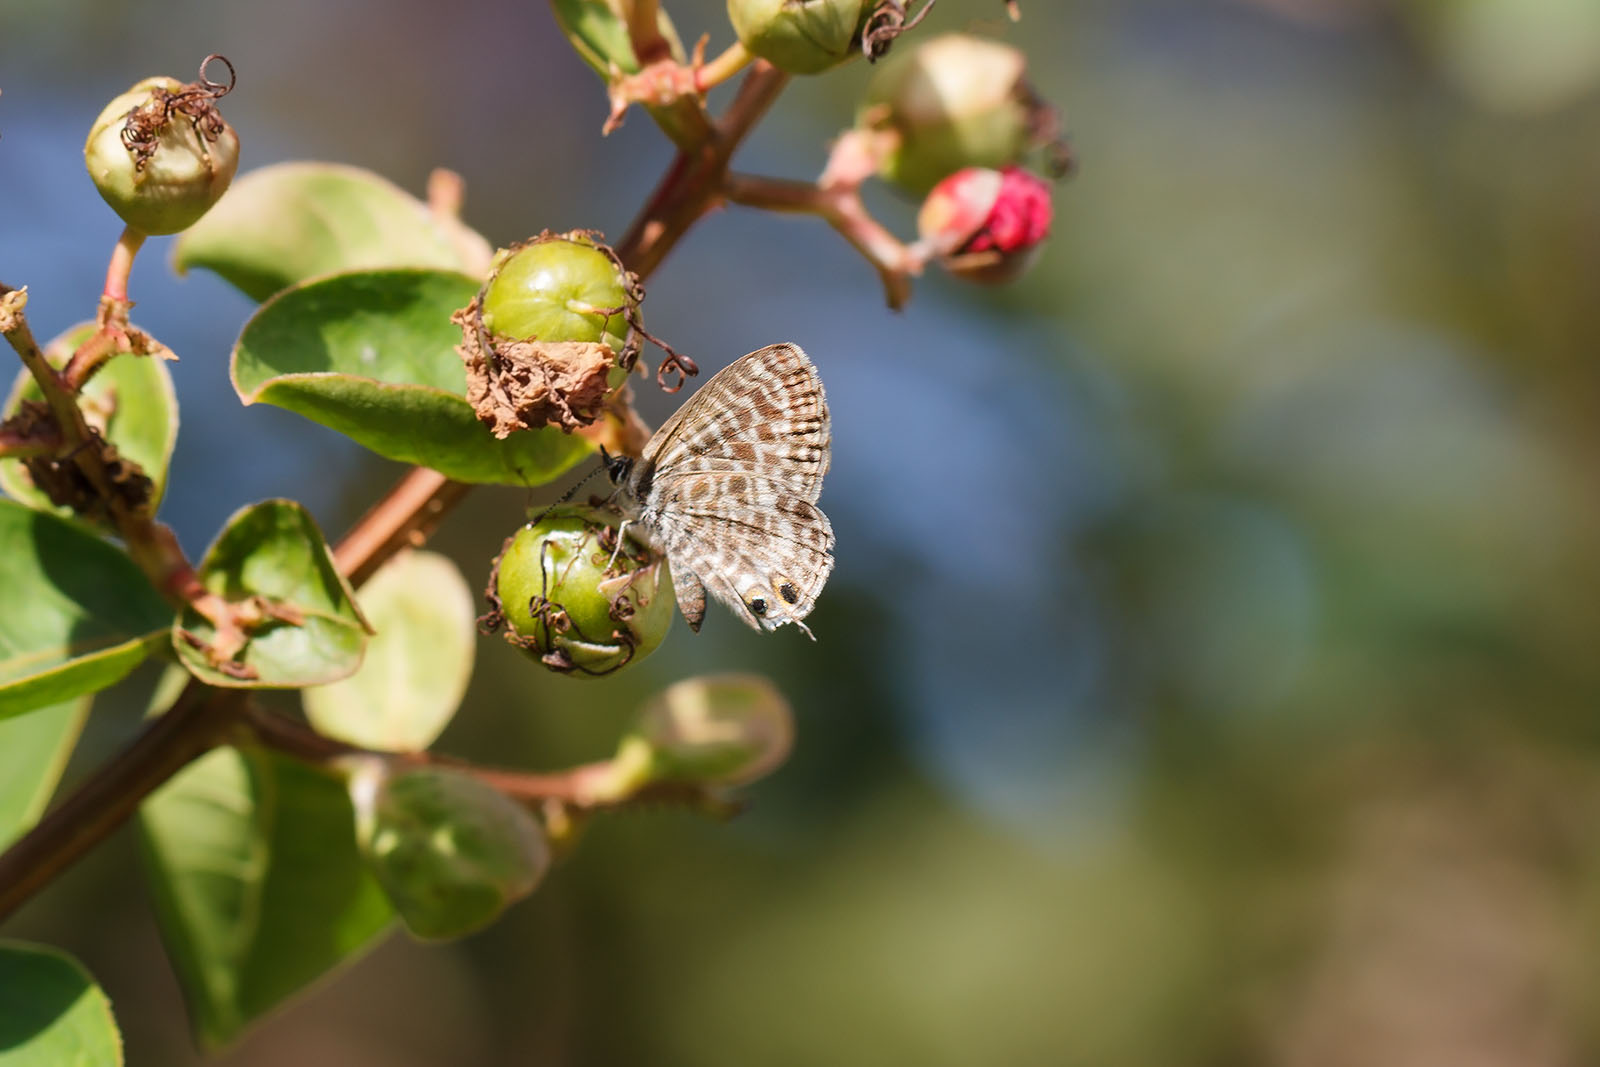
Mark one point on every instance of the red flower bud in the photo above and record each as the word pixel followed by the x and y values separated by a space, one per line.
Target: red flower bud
pixel 985 225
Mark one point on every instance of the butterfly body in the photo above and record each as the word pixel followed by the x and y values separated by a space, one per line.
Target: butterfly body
pixel 727 491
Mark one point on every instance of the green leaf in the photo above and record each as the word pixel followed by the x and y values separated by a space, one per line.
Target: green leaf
pixel 130 400
pixel 417 665
pixel 76 614
pixel 600 36
pixel 451 852
pixel 274 550
pixel 372 355
pixel 33 752
pixel 258 884
pixel 52 1013
pixel 282 224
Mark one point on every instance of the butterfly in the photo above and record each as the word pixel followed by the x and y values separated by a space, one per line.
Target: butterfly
pixel 727 491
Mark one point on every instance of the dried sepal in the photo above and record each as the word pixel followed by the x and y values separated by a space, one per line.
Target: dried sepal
pixel 62 479
pixel 521 385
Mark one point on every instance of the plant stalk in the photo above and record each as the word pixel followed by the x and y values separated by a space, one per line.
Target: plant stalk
pixel 204 717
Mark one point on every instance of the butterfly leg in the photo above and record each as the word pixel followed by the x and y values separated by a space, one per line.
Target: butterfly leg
pixel 621 532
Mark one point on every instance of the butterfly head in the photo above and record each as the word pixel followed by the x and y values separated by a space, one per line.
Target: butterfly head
pixel 617 467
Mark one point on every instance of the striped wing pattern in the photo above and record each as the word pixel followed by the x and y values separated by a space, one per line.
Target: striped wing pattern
pixel 728 488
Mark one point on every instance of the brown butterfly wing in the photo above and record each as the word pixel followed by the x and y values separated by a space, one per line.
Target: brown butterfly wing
pixel 728 487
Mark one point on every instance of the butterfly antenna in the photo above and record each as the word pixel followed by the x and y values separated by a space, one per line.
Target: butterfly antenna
pixel 570 493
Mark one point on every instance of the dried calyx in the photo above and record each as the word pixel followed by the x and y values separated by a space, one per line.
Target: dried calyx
pixel 553 333
pixel 63 480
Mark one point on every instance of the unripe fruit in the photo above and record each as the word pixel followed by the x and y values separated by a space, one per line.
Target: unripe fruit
pixel 799 36
pixel 956 101
pixel 986 225
pixel 549 335
pixel 558 288
pixel 161 155
pixel 571 605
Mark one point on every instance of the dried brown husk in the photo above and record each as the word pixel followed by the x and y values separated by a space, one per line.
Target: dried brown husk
pixel 523 385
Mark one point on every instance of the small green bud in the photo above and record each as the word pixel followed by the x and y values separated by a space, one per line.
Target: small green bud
pixel 161 154
pixel 575 601
pixel 450 852
pixel 799 36
pixel 956 101
pixel 724 729
pixel 549 336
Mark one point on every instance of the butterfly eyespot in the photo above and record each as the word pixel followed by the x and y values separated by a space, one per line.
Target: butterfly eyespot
pixel 758 605
pixel 789 593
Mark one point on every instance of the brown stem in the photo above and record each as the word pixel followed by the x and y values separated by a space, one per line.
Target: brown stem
pixel 121 265
pixel 774 194
pixel 895 262
pixel 151 544
pixel 841 207
pixel 202 716
pixel 90 356
pixel 303 743
pixel 166 745
pixel 114 335
pixel 586 787
pixel 692 185
pixel 62 404
pixel 403 518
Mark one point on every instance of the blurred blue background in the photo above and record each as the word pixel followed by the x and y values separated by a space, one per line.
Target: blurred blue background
pixel 1209 674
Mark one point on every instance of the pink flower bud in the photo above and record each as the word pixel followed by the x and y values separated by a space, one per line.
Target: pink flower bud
pixel 984 225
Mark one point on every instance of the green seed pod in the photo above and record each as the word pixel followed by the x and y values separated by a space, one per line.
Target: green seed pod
pixel 450 852
pixel 799 36
pixel 956 101
pixel 560 287
pixel 576 602
pixel 161 155
pixel 549 335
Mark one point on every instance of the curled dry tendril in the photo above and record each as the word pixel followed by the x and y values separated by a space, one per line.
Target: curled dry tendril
pixel 141 133
pixel 889 19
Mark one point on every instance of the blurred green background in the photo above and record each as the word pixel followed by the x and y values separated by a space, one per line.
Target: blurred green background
pixel 1209 673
